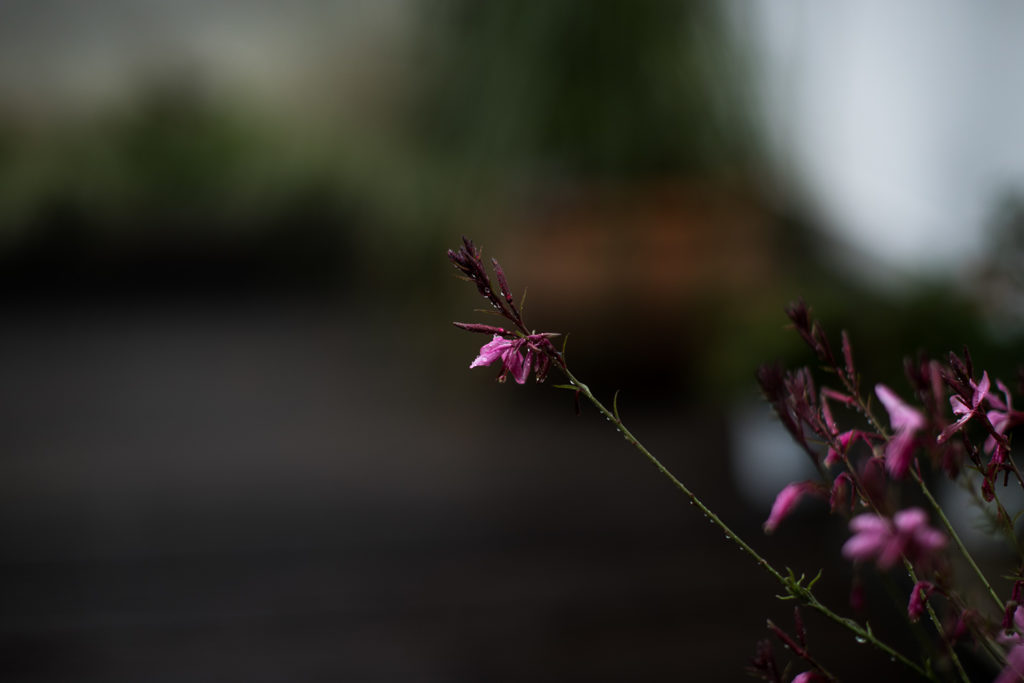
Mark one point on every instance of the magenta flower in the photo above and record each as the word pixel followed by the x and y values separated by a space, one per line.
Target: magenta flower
pixel 538 350
pixel 845 440
pixel 918 596
pixel 907 534
pixel 1013 672
pixel 508 350
pixel 1014 669
pixel 966 412
pixel 787 500
pixel 906 422
pixel 1003 417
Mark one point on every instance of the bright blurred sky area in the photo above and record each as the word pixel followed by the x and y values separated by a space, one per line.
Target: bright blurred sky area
pixel 896 122
pixel 900 120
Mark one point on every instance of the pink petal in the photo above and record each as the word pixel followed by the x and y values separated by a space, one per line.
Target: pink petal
pixel 901 415
pixel 981 391
pixel 899 453
pixel 514 364
pixel 996 403
pixel 891 552
pixel 491 351
pixel 864 546
pixel 784 504
pixel 955 427
pixel 930 540
pixel 869 522
pixel 833 456
pixel 958 406
pixel 524 367
pixel 910 520
pixel 1014 670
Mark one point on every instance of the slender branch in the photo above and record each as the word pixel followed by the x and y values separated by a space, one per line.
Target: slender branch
pixel 956 539
pixel 793 586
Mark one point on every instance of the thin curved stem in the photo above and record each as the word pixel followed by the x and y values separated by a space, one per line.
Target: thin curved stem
pixel 793 586
pixel 956 539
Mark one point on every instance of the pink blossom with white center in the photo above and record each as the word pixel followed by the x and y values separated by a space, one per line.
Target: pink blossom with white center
pixel 885 541
pixel 906 422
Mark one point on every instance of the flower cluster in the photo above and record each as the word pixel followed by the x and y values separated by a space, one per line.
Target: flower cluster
pixel 537 347
pixel 874 471
pixel 959 428
pixel 520 350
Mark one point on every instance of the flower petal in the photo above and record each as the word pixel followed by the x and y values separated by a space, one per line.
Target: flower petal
pixel 784 503
pixel 491 351
pixel 901 415
pixel 899 453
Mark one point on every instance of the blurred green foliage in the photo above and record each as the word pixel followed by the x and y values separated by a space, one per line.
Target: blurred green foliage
pixel 608 88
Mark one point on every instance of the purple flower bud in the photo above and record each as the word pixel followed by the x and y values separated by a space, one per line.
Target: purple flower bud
pixel 787 500
pixel 842 492
pixel 918 596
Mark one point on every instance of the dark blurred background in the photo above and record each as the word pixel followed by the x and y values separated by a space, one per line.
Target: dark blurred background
pixel 240 438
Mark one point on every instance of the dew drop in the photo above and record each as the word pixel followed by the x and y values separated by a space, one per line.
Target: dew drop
pixel 860 639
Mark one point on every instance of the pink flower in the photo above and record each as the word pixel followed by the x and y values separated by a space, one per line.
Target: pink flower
pixel 539 354
pixel 1014 670
pixel 508 351
pixel 885 541
pixel 906 422
pixel 918 596
pixel 1003 417
pixel 787 500
pixel 966 412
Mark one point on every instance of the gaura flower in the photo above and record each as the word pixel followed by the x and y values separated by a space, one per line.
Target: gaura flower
pixel 966 412
pixel 1003 417
pixel 538 350
pixel 885 541
pixel 906 422
pixel 508 351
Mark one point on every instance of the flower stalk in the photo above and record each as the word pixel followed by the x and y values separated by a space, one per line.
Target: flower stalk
pixel 885 535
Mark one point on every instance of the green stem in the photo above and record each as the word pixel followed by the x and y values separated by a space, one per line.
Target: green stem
pixel 792 586
pixel 908 565
pixel 956 539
